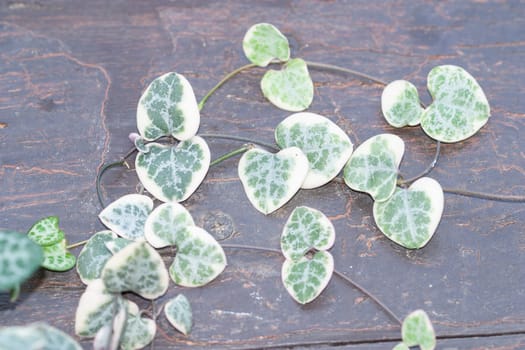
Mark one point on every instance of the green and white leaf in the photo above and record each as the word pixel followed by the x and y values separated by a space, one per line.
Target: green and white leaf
pixel 460 107
pixel 401 346
pixel 306 229
pixel 168 107
pixel 95 309
pixel 117 244
pixel 270 180
pixel 306 278
pixel 46 231
pixel 179 314
pixel 417 330
pixel 137 268
pixel 400 104
pixel 173 173
pixel 57 258
pixel 325 144
pixel 37 336
pixel 263 43
pixel 199 260
pixel 138 332
pixel 94 255
pixel 165 224
pixel 20 257
pixel 290 88
pixel 411 216
pixel 127 215
pixel 373 167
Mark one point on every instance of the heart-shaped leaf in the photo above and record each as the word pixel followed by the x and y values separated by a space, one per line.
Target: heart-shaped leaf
pixel 127 215
pixel 410 217
pixel 95 309
pixel 57 258
pixel 460 107
pixel 39 336
pixel 19 258
pixel 171 173
pixel 417 330
pixel 165 224
pixel 263 42
pixel 117 244
pixel 305 279
pixel 168 107
pixel 306 229
pixel 94 255
pixel 271 180
pixel 400 104
pixel 137 268
pixel 138 332
pixel 179 314
pixel 291 88
pixel 374 165
pixel 46 232
pixel 199 260
pixel 326 145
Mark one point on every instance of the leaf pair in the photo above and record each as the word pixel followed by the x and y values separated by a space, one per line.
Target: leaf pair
pixel 291 88
pixel 409 216
pixel 459 110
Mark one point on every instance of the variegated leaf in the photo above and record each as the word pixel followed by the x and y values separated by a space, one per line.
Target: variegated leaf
pixel 263 43
pixel 400 104
pixel 39 336
pixel 94 255
pixel 117 244
pixel 173 173
pixel 165 224
pixel 46 231
pixel 168 107
pixel 326 145
pixel 95 309
pixel 138 332
pixel 417 330
pixel 57 258
pixel 179 314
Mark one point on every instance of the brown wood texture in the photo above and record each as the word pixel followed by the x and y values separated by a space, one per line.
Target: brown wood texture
pixel 71 73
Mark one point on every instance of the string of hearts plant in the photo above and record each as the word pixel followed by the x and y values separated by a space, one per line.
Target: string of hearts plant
pixel 311 151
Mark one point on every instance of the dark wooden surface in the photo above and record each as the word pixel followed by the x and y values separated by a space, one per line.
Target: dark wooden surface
pixel 71 73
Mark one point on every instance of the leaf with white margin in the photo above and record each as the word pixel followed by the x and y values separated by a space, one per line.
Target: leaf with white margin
pixel 95 309
pixel 168 107
pixel 460 107
pixel 94 255
pixel 57 258
pixel 290 88
pixel 165 224
pixel 138 332
pixel 263 42
pixel 417 330
pixel 137 268
pixel 199 260
pixel 127 215
pixel 400 104
pixel 179 314
pixel 373 167
pixel 19 258
pixel 306 229
pixel 173 173
pixel 325 144
pixel 306 278
pixel 410 217
pixel 39 336
pixel 270 180
pixel 46 231
pixel 117 244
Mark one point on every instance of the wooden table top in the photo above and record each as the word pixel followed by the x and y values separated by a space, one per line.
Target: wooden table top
pixel 71 73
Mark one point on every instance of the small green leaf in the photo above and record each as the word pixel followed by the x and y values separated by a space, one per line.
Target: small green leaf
pixel 173 173
pixel 57 258
pixel 46 232
pixel 117 244
pixel 19 258
pixel 179 314
pixel 166 223
pixel 291 88
pixel 199 260
pixel 400 104
pixel 137 268
pixel 410 217
pixel 168 107
pixel 263 42
pixel 138 332
pixel 271 180
pixel 94 255
pixel 127 215
pixel 401 346
pixel 39 336
pixel 326 145
pixel 417 330
pixel 95 309
pixel 460 107
pixel 306 278
pixel 306 229
pixel 373 167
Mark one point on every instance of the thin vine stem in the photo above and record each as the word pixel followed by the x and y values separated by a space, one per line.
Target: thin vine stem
pixel 242 139
pixel 428 169
pixel 487 196
pixel 345 278
pixel 231 154
pixel 77 244
pixel 332 67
